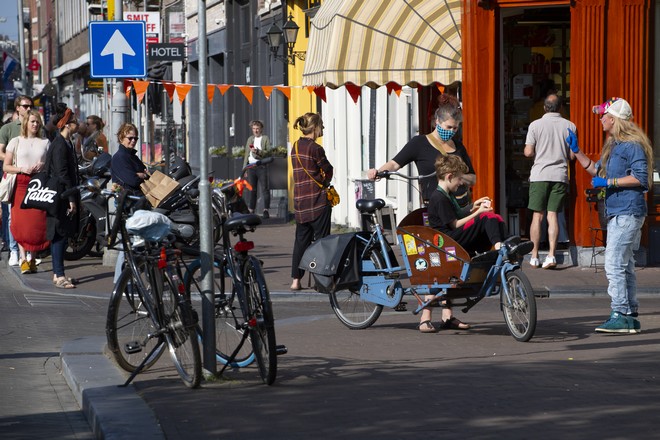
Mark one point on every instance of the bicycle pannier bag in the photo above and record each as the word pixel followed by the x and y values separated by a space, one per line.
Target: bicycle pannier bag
pixel 333 263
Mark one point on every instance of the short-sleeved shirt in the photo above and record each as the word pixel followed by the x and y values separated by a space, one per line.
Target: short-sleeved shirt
pixel 420 151
pixel 10 131
pixel 31 151
pixel 548 136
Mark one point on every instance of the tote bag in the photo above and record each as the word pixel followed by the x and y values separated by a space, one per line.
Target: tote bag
pixel 42 193
pixel 7 187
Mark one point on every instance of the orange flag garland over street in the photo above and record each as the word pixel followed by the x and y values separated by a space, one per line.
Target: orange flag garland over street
pixel 169 88
pixel 285 90
pixel 268 90
pixel 140 89
pixel 210 91
pixel 223 88
pixel 247 92
pixel 182 91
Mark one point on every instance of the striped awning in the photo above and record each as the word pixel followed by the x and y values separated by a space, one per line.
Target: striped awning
pixel 373 42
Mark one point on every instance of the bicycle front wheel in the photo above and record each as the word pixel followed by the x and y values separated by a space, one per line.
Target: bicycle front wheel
pixel 354 312
pixel 520 307
pixel 181 336
pixel 128 324
pixel 261 323
pixel 229 331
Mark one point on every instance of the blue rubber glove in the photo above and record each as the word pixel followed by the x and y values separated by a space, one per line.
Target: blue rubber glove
pixel 599 182
pixel 572 141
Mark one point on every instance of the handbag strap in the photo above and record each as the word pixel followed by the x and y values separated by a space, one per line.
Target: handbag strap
pixel 303 167
pixel 435 144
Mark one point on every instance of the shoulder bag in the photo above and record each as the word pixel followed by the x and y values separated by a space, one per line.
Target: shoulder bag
pixel 43 192
pixel 331 192
pixel 8 182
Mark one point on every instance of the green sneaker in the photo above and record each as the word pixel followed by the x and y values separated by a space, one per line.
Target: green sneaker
pixel 618 323
pixel 633 324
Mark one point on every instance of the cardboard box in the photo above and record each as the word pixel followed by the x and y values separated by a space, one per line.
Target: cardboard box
pixel 158 188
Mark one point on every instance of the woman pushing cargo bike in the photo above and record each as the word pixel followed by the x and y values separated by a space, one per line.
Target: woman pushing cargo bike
pixel 464 259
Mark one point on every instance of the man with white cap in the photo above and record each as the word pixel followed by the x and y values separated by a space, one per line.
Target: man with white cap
pixel 625 170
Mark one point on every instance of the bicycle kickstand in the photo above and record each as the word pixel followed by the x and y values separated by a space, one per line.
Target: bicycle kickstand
pixel 142 364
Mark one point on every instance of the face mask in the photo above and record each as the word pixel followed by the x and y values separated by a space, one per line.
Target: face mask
pixel 445 135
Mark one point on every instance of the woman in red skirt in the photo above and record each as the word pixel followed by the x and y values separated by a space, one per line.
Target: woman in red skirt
pixel 25 156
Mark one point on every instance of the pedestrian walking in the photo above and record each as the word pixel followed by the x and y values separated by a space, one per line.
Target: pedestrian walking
pixel 25 156
pixel 255 148
pixel 548 180
pixel 312 172
pixel 625 172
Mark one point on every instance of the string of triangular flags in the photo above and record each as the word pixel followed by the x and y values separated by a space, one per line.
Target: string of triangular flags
pixel 182 90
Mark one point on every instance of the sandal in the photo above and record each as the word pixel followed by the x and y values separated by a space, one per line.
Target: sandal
pixel 454 323
pixel 73 281
pixel 426 327
pixel 63 283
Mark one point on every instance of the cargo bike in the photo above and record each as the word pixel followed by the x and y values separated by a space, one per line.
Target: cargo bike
pixel 362 275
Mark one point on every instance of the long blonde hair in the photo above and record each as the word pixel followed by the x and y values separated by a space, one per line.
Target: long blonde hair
pixel 627 131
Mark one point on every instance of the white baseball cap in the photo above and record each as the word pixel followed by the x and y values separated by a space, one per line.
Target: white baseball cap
pixel 617 107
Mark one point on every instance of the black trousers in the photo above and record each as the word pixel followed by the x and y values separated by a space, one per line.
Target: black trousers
pixel 480 233
pixel 306 233
pixel 258 178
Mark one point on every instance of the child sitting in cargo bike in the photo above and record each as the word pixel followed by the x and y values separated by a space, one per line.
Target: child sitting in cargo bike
pixel 476 228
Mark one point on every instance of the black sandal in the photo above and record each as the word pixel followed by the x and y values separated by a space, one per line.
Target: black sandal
pixel 426 327
pixel 454 323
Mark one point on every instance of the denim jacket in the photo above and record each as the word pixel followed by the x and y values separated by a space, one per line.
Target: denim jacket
pixel 626 158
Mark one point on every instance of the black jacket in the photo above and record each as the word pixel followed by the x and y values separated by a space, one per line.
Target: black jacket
pixel 125 166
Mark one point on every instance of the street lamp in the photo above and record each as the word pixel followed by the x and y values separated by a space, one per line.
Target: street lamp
pixel 290 33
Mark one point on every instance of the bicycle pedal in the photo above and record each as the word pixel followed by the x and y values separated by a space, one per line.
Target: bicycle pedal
pixel 132 347
pixel 281 349
pixel 401 307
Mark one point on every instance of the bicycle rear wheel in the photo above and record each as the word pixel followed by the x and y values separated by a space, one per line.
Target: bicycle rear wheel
pixel 181 336
pixel 128 324
pixel 261 322
pixel 354 312
pixel 520 307
pixel 228 314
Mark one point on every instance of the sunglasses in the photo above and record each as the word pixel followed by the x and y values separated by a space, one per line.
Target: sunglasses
pixel 26 105
pixel 132 138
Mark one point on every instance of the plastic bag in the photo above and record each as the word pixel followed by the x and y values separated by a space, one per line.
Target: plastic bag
pixel 152 226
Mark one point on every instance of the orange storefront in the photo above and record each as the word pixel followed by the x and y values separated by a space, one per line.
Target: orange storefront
pixel 591 49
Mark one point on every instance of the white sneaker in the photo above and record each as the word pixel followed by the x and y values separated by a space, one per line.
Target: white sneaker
pixel 13 259
pixel 549 263
pixel 534 262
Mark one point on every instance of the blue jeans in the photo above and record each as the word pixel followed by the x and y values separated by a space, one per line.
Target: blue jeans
pixel 623 235
pixel 13 245
pixel 57 246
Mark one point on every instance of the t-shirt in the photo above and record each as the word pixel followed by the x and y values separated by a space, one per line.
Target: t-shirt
pixel 420 151
pixel 548 136
pixel 441 212
pixel 30 150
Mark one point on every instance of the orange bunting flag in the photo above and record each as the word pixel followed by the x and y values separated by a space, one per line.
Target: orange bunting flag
pixel 320 92
pixel 210 91
pixel 128 92
pixel 440 87
pixel 223 88
pixel 241 185
pixel 169 88
pixel 248 92
pixel 268 90
pixel 140 89
pixel 310 89
pixel 393 87
pixel 354 91
pixel 182 91
pixel 286 91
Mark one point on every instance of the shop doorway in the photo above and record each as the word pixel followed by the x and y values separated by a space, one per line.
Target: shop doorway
pixel 535 60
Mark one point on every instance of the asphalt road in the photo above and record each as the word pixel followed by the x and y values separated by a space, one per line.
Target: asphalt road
pixel 388 381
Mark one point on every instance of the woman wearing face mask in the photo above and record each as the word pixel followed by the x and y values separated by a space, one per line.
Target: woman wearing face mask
pixel 424 149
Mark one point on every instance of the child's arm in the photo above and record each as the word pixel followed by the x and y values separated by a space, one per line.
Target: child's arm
pixel 478 208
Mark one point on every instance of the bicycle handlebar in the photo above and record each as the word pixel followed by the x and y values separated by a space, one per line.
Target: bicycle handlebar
pixel 389 174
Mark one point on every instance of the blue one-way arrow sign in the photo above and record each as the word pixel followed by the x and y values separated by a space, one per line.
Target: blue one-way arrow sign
pixel 117 49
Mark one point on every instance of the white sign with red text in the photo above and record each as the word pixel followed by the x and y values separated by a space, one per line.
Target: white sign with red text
pixel 152 20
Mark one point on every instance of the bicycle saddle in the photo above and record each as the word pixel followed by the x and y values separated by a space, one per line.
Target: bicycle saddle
pixel 369 206
pixel 241 221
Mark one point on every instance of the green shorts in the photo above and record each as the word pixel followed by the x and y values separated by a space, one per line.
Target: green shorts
pixel 547 196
